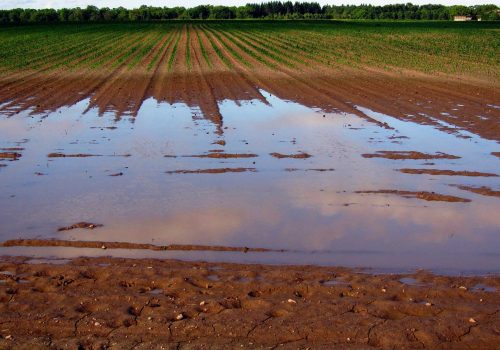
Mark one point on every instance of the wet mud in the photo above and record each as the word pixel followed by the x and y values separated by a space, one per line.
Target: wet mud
pixel 427 196
pixel 301 155
pixel 212 171
pixel 447 172
pixel 125 303
pixel 397 155
pixel 485 191
pixel 222 67
pixel 85 225
pixel 125 245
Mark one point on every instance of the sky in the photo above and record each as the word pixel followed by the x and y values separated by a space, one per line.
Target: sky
pixel 9 4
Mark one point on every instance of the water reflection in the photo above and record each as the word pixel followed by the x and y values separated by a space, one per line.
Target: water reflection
pixel 302 211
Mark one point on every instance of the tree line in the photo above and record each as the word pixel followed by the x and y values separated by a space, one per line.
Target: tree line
pixel 267 10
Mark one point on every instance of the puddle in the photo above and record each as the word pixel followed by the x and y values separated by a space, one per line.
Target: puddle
pixel 156 291
pixel 334 282
pixel 411 281
pixel 213 278
pixel 48 261
pixel 481 287
pixel 225 199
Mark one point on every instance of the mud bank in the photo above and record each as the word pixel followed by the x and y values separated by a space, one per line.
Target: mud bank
pixel 92 303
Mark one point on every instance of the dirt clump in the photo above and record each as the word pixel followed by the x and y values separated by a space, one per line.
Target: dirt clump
pixel 12 149
pixel 83 224
pixel 428 196
pixel 300 155
pixel 224 155
pixel 76 155
pixel 312 169
pixel 10 155
pixel 447 172
pixel 396 155
pixel 484 190
pixel 212 171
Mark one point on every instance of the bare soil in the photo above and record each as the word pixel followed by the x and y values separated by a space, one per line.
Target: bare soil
pixel 463 103
pixel 10 155
pixel 301 155
pixel 105 303
pixel 124 245
pixel 447 172
pixel 212 171
pixel 428 196
pixel 408 155
pixel 484 190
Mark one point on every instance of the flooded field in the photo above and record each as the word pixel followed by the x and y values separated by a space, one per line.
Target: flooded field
pixel 249 184
pixel 311 187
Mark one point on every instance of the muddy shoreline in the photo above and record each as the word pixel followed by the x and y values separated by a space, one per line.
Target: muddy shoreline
pixel 115 303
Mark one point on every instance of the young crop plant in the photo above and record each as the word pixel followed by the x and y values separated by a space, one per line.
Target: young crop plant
pixel 145 50
pixel 161 50
pixel 188 48
pixel 216 48
pixel 202 47
pixel 232 51
pixel 174 51
pixel 247 50
pixel 277 54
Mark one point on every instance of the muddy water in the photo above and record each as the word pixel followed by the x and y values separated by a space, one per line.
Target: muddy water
pixel 309 206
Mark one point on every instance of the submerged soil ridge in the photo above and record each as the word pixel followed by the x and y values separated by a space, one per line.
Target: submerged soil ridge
pixel 124 245
pixel 94 303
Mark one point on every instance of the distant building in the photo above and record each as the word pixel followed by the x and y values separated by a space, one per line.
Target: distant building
pixel 462 18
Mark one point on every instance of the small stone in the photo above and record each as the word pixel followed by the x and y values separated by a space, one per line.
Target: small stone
pixel 462 287
pixel 203 303
pixel 103 247
pixel 471 320
pixel 383 290
pixel 8 337
pixel 291 301
pixel 428 304
pixel 179 317
pixel 97 324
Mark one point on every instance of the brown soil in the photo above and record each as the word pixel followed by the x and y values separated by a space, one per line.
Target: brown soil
pixel 301 155
pixel 408 155
pixel 78 155
pixel 212 171
pixel 485 191
pixel 319 169
pixel 406 95
pixel 12 149
pixel 104 303
pixel 124 245
pixel 496 154
pixel 224 155
pixel 428 196
pixel 10 155
pixel 82 155
pixel 86 225
pixel 447 172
